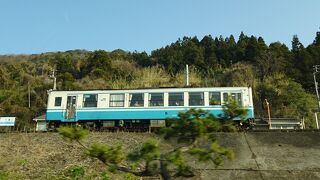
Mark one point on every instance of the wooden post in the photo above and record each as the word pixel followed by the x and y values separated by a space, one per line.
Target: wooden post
pixel 317 123
pixel 269 114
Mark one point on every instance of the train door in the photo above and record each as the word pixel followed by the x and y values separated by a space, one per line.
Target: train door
pixel 71 108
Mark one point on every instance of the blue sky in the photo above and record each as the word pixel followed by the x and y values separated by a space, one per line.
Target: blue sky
pixel 36 26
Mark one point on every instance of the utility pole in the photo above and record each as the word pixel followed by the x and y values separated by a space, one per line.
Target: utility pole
pixel 316 69
pixel 54 80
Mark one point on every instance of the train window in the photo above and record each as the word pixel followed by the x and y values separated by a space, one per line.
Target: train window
pixel 176 99
pixel 136 100
pixel 90 100
pixel 215 98
pixel 225 98
pixel 57 101
pixel 116 100
pixel 237 97
pixel 234 96
pixel 156 99
pixel 196 99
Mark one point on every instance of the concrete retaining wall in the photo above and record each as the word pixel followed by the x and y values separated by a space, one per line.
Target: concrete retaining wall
pixel 270 155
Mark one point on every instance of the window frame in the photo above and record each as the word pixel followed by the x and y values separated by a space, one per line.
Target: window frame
pixel 229 95
pixel 115 101
pixel 191 99
pixel 55 101
pixel 220 98
pixel 140 102
pixel 150 99
pixel 84 101
pixel 179 100
pixel 237 98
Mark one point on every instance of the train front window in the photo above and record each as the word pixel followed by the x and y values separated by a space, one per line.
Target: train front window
pixel 156 99
pixel 196 99
pixel 57 101
pixel 176 99
pixel 90 100
pixel 136 100
pixel 116 100
pixel 215 98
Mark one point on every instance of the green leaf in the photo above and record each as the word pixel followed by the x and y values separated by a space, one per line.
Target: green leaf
pixel 73 133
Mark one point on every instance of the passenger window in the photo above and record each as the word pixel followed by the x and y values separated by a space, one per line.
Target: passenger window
pixel 234 96
pixel 156 99
pixel 90 100
pixel 225 98
pixel 57 101
pixel 237 97
pixel 116 100
pixel 136 100
pixel 196 99
pixel 215 98
pixel 176 99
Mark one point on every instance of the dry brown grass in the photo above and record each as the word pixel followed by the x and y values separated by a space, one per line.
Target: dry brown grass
pixel 280 155
pixel 48 156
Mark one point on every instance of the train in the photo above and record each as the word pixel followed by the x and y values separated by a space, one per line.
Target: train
pixel 139 108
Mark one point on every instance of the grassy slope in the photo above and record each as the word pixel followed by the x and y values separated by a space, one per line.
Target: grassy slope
pixel 46 156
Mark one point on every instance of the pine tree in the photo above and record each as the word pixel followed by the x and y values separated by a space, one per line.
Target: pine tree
pixel 296 45
pixel 193 133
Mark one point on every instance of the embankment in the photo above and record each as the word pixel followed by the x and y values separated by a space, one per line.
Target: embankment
pixel 259 155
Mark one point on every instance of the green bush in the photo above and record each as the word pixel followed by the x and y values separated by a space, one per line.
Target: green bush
pixel 75 172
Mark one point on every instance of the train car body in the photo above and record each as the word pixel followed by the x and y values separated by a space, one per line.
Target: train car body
pixel 141 104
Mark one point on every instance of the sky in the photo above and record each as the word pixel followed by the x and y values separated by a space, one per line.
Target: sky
pixel 38 26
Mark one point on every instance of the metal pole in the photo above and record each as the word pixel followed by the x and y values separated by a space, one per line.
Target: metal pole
pixel 187 75
pixel 54 83
pixel 54 80
pixel 269 114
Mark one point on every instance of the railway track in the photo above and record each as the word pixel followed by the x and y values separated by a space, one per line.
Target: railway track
pixel 29 130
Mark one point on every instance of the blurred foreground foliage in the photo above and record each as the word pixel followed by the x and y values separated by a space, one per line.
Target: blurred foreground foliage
pixel 192 135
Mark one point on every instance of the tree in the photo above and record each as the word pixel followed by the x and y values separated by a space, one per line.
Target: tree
pixel 317 39
pixel 296 44
pixel 287 98
pixel 193 133
pixel 252 50
pixel 98 64
pixel 142 59
pixel 208 46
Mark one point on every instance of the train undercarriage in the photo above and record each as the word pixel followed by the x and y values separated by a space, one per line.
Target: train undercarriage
pixel 112 126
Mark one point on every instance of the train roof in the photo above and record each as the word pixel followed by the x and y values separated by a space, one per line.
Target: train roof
pixel 154 88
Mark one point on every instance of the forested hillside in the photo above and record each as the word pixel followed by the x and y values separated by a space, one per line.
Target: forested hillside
pixel 281 74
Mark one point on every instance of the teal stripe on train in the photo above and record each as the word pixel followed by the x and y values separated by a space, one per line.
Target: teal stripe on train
pixel 126 114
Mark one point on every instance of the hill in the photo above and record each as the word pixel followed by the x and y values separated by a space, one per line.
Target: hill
pixel 283 76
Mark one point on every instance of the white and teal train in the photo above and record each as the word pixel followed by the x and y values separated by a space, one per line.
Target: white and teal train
pixel 139 108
